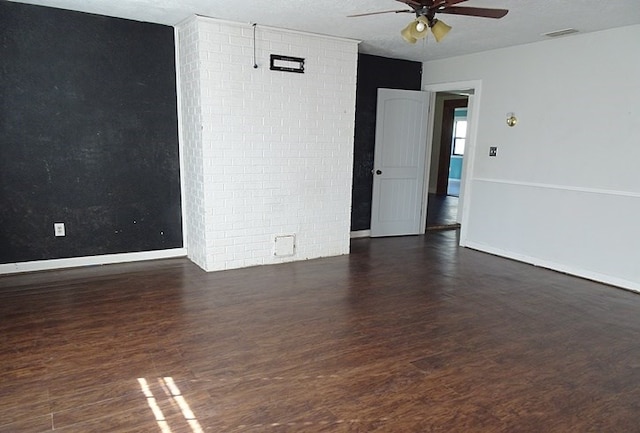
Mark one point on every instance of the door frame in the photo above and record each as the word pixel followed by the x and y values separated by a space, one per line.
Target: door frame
pixel 466 190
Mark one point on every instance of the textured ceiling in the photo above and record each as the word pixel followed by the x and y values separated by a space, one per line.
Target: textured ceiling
pixel 379 34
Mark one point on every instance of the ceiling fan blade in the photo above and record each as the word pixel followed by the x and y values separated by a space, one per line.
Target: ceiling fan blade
pixel 474 12
pixel 380 12
pixel 445 3
pixel 413 3
pixel 431 4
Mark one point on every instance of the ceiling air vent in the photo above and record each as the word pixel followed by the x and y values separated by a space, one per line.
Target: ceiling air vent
pixel 563 32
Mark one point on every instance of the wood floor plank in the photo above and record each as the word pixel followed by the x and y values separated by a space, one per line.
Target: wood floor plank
pixel 410 334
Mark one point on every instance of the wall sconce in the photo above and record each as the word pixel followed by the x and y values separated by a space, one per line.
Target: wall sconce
pixel 512 120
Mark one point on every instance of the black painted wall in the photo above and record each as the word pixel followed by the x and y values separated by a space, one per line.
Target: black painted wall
pixel 88 135
pixel 373 72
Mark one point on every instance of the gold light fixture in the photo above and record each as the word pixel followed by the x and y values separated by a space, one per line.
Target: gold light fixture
pixel 439 29
pixel 406 34
pixel 512 120
pixel 418 29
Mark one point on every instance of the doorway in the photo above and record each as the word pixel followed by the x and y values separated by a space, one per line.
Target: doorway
pixel 470 89
pixel 447 157
pixel 452 143
pixel 460 209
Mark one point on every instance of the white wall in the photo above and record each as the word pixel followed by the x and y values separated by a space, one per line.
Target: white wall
pixel 189 66
pixel 266 153
pixel 564 190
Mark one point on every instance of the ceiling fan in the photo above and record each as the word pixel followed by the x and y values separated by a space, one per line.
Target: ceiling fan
pixel 426 10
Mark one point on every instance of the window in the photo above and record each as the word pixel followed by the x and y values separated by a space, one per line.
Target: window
pixel 459 135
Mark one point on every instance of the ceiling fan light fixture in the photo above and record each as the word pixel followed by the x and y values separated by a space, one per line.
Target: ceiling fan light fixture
pixel 439 29
pixel 419 28
pixel 426 10
pixel 421 24
pixel 406 34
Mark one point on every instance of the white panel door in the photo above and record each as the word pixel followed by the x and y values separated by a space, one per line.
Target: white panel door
pixel 399 162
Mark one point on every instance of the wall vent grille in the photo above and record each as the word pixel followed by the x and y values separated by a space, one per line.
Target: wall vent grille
pixel 557 33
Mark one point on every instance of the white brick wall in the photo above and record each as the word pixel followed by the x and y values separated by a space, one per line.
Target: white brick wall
pixel 191 142
pixel 266 153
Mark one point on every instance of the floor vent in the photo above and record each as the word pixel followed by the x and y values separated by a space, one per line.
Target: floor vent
pixel 284 246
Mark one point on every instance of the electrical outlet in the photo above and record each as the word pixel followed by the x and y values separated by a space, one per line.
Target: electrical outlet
pixel 58 229
pixel 493 151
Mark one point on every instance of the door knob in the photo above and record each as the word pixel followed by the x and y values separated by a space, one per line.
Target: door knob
pixel 378 171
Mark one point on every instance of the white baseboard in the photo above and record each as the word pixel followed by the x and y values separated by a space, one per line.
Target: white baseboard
pixel 582 273
pixel 43 265
pixel 361 234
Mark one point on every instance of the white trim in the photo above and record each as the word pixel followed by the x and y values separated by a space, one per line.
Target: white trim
pixel 577 272
pixel 431 116
pixel 561 187
pixel 361 234
pixel 453 86
pixel 42 265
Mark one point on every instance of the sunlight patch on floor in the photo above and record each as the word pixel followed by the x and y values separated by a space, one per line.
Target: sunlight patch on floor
pixel 172 391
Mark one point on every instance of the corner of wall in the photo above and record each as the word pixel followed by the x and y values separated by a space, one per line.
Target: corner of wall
pixel 190 121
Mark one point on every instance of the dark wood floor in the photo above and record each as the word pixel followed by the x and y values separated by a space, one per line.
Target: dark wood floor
pixel 406 334
pixel 442 212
